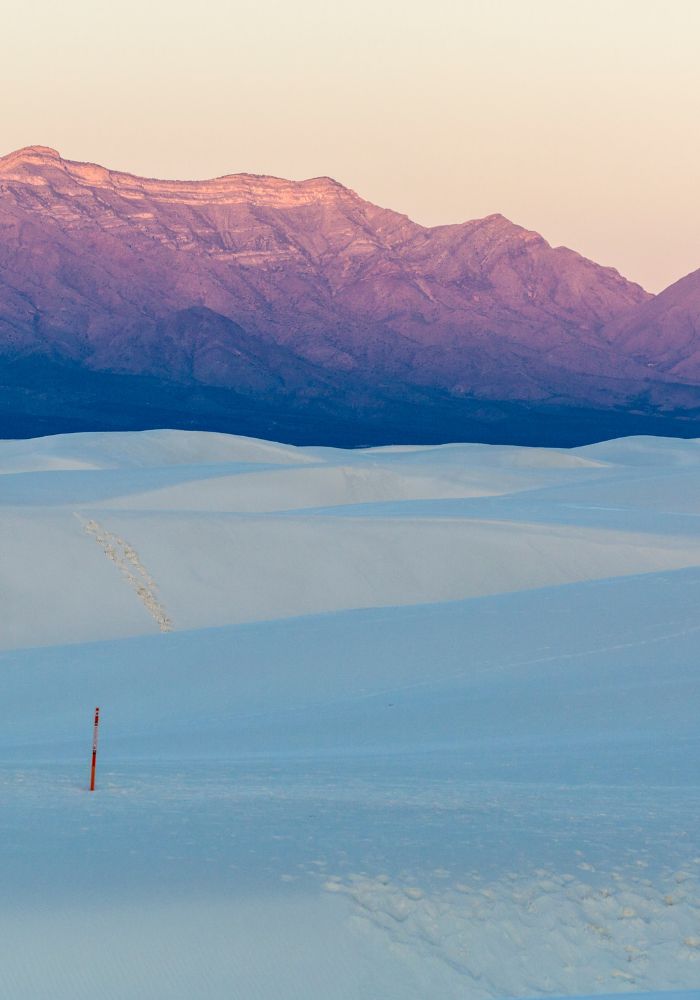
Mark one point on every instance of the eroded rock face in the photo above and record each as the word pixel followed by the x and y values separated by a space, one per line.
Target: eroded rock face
pixel 302 289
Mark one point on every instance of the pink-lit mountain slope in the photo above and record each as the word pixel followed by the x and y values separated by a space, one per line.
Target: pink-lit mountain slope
pixel 302 290
pixel 664 332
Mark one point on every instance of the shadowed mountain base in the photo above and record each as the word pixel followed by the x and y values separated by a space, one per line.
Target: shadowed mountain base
pixel 39 397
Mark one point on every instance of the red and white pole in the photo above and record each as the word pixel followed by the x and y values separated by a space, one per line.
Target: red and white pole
pixel 94 750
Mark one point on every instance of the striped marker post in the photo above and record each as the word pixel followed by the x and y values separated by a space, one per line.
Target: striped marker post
pixel 94 750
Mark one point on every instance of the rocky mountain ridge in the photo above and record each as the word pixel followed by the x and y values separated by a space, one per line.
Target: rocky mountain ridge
pixel 305 294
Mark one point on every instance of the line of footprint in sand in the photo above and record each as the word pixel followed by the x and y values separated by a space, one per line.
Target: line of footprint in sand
pixel 127 561
pixel 546 933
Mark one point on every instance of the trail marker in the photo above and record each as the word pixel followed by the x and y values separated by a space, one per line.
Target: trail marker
pixel 94 749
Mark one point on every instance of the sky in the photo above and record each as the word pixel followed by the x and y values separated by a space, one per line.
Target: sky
pixel 577 118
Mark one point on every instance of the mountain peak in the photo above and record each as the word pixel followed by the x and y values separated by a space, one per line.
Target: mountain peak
pixel 31 155
pixel 35 164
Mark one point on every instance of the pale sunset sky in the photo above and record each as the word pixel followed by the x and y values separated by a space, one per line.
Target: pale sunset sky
pixel 580 120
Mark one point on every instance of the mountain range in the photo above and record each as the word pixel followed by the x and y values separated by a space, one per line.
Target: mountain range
pixel 299 311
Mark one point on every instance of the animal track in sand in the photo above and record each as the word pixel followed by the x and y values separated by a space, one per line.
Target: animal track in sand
pixel 126 559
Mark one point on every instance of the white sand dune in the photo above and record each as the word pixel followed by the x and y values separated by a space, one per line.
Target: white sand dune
pixel 129 449
pixel 222 544
pixel 398 724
